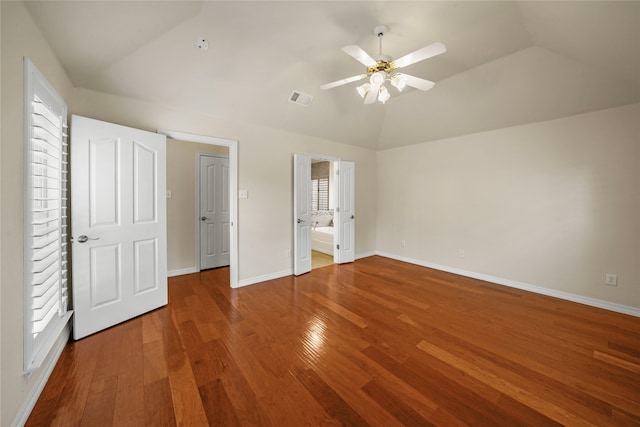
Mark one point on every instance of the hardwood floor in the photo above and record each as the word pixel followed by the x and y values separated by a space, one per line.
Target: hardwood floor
pixel 377 342
pixel 319 259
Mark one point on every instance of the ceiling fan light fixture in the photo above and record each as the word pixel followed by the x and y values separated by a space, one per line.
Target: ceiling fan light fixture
pixel 398 81
pixel 363 89
pixel 377 78
pixel 384 94
pixel 383 68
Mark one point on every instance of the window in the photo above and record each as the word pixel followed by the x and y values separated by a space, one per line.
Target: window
pixel 320 194
pixel 45 210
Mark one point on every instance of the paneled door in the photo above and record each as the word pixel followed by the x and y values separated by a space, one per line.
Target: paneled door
pixel 118 211
pixel 301 214
pixel 215 229
pixel 344 216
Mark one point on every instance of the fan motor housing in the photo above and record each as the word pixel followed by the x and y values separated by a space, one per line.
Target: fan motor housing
pixel 381 65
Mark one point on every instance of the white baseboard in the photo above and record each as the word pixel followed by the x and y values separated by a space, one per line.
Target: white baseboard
pixel 366 254
pixel 182 271
pixel 264 278
pixel 284 273
pixel 32 398
pixel 619 308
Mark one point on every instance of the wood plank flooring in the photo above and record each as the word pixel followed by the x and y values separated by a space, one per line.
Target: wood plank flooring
pixel 320 259
pixel 377 342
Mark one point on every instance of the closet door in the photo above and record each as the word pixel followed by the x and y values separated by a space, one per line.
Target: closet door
pixel 215 225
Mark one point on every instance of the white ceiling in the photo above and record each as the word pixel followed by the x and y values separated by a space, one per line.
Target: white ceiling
pixel 507 63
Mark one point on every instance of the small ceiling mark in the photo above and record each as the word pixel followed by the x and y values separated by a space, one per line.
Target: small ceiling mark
pixel 201 43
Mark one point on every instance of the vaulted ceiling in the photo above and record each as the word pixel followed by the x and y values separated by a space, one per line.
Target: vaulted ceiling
pixel 507 62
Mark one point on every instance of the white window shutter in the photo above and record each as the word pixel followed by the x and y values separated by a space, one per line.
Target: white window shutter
pixel 46 173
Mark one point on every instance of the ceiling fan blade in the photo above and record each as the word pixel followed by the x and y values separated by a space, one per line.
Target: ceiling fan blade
pixel 421 54
pixel 372 94
pixel 418 83
pixel 343 81
pixel 359 55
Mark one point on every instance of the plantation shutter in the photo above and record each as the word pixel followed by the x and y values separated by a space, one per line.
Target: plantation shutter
pixel 323 194
pixel 46 248
pixel 320 194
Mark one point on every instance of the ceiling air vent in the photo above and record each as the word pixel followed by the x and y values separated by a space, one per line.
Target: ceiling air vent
pixel 301 98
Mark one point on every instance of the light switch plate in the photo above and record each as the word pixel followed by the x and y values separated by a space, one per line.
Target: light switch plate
pixel 243 194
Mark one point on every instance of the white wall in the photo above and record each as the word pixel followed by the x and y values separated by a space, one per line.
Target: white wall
pixel 20 37
pixel 265 170
pixel 554 204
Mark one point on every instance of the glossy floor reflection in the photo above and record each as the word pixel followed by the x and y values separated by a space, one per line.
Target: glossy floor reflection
pixel 376 342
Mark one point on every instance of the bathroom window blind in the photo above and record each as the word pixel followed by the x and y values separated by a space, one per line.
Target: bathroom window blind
pixel 320 194
pixel 46 248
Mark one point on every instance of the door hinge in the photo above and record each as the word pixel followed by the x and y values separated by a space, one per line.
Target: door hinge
pixel 338 247
pixel 337 209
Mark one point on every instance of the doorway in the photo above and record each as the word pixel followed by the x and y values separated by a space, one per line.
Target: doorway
pixel 322 213
pixel 232 147
pixel 309 217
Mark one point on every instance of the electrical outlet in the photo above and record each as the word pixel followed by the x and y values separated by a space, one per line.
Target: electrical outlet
pixel 460 253
pixel 610 279
pixel 403 244
pixel 288 253
pixel 168 194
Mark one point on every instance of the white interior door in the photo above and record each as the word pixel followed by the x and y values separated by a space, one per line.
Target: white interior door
pixel 344 215
pixel 214 212
pixel 301 214
pixel 118 185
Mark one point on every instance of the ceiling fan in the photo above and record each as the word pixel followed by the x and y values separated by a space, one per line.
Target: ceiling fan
pixel 384 68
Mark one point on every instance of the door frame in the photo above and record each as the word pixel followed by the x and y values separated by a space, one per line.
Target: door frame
pixel 233 193
pixel 197 216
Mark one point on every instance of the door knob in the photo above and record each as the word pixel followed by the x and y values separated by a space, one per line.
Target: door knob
pixel 204 218
pixel 83 238
pixel 300 220
pixel 352 217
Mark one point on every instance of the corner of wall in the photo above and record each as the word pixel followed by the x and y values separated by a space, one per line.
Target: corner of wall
pixel 19 37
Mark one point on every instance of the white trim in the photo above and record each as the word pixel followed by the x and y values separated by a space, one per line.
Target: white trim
pixel 335 199
pixel 233 190
pixel 593 302
pixel 322 157
pixel 182 271
pixel 284 273
pixel 366 254
pixel 47 369
pixel 264 278
pixel 196 253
